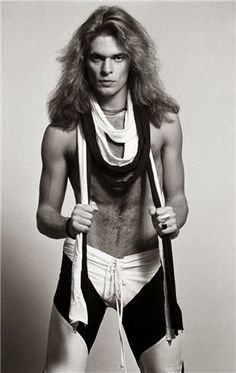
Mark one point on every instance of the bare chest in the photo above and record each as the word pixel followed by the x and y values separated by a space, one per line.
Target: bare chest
pixel 122 226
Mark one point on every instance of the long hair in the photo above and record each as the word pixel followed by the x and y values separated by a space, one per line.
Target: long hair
pixel 71 95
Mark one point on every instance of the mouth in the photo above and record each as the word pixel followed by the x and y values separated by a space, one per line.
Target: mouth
pixel 106 83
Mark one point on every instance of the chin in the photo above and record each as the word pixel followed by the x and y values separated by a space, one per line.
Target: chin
pixel 106 92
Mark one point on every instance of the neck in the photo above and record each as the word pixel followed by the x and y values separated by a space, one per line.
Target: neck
pixel 113 111
pixel 116 102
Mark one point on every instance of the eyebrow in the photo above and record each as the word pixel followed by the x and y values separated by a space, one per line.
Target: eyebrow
pixel 93 54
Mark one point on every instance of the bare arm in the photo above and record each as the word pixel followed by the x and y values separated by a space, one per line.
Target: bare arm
pixel 52 184
pixel 173 171
pixel 172 217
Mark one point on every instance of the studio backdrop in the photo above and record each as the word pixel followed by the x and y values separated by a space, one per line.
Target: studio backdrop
pixel 195 43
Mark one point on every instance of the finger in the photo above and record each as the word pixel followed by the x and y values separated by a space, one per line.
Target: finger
pixel 79 213
pixel 84 222
pixel 82 229
pixel 85 208
pixel 152 211
pixel 164 210
pixel 80 224
pixel 84 214
pixel 163 226
pixel 169 230
pixel 167 223
pixel 167 216
pixel 94 206
pixel 159 219
pixel 164 217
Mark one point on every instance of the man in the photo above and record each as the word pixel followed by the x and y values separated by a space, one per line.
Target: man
pixel 116 136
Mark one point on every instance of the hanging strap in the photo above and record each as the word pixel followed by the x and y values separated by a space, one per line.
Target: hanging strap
pixel 78 309
pixel 172 310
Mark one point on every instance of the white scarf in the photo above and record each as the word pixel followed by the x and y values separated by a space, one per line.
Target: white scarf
pixel 127 136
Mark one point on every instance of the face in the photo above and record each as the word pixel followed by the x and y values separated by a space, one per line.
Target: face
pixel 108 70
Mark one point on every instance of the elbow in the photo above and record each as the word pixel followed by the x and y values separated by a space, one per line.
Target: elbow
pixel 186 208
pixel 185 211
pixel 40 228
pixel 39 223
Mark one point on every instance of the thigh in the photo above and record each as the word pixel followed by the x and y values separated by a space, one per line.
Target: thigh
pixel 163 357
pixel 144 316
pixel 66 351
pixel 95 305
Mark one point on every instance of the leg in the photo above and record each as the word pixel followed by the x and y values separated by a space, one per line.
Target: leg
pixel 67 351
pixel 163 357
pixel 144 316
pixel 145 326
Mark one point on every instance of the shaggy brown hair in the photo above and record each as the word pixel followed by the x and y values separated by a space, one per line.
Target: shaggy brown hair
pixel 71 96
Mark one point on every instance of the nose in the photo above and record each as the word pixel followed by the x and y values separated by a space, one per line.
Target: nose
pixel 106 66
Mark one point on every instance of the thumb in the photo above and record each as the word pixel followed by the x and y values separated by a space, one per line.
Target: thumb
pixel 152 210
pixel 94 205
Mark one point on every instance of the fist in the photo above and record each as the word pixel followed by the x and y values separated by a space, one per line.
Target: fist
pixel 164 220
pixel 82 217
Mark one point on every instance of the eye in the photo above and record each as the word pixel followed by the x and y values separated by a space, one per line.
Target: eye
pixel 95 58
pixel 119 57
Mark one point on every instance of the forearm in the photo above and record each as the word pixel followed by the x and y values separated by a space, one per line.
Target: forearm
pixel 51 223
pixel 180 207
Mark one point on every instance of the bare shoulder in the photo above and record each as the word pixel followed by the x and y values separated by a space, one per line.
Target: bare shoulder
pixel 56 142
pixel 54 135
pixel 169 133
pixel 171 130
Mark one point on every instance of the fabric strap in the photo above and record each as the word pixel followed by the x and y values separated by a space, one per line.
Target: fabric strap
pixel 127 135
pixel 78 309
pixel 173 313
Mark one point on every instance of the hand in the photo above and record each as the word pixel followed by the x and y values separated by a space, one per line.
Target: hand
pixel 164 221
pixel 82 217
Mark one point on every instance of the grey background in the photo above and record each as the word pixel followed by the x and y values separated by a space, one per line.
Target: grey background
pixel 196 46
